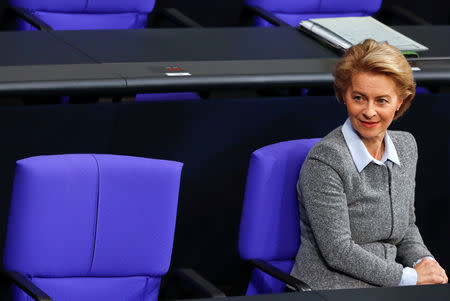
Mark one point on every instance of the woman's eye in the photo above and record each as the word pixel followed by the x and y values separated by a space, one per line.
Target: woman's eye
pixel 382 100
pixel 357 98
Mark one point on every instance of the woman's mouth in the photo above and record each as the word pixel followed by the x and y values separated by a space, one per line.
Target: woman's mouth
pixel 369 124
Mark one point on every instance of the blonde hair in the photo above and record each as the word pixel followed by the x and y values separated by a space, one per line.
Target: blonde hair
pixel 382 58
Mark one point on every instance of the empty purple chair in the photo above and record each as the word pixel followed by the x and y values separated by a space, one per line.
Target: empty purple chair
pixel 77 14
pixel 269 235
pixel 92 14
pixel 92 227
pixel 294 11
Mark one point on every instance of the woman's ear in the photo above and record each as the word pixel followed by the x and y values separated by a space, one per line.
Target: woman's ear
pixel 402 101
pixel 342 99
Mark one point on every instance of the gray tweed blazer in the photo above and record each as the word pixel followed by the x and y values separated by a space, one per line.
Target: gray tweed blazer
pixel 357 229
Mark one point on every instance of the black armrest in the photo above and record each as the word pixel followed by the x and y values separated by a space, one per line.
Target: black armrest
pixel 276 273
pixel 175 16
pixel 29 18
pixel 266 15
pixel 197 283
pixel 27 286
pixel 403 13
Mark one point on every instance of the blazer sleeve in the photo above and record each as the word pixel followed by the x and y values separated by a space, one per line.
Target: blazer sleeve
pixel 412 248
pixel 326 206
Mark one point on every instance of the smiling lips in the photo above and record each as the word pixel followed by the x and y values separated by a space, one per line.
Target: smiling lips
pixel 369 124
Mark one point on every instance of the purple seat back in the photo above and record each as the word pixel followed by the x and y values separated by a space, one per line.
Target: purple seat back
pixel 270 228
pixel 84 14
pixel 167 96
pixel 93 227
pixel 294 11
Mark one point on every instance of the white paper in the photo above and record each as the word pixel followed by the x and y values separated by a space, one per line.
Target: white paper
pixel 357 29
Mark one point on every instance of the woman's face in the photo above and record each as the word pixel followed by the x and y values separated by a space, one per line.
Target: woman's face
pixel 371 101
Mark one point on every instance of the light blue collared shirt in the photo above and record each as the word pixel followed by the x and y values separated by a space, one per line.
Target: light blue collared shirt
pixel 361 158
pixel 360 154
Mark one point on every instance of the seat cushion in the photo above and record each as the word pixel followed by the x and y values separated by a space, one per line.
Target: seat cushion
pixel 294 11
pixel 90 215
pixel 317 6
pixel 86 6
pixel 77 21
pixel 87 14
pixel 270 228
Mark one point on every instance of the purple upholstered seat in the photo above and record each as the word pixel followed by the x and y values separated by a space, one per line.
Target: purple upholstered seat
pixel 294 11
pixel 93 14
pixel 269 223
pixel 93 227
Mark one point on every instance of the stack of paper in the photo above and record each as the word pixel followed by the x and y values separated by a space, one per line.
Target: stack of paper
pixel 347 31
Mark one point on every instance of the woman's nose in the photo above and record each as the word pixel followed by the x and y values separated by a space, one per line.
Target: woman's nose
pixel 369 110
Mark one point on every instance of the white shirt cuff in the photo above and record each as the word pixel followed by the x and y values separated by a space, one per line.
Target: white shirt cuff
pixel 421 260
pixel 409 277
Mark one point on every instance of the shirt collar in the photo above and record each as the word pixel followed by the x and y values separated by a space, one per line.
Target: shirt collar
pixel 360 154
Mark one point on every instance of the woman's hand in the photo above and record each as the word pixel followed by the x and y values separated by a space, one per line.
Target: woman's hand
pixel 430 272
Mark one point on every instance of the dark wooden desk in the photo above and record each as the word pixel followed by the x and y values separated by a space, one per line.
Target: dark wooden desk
pixel 237 57
pixel 435 37
pixel 27 48
pixel 133 61
pixel 409 293
pixel 195 44
pixel 37 62
pixel 224 44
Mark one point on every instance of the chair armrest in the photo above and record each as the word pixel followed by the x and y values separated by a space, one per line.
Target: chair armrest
pixel 404 13
pixel 27 286
pixel 266 15
pixel 177 17
pixel 29 18
pixel 276 273
pixel 198 283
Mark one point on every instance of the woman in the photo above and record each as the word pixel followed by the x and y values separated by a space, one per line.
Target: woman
pixel 356 187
